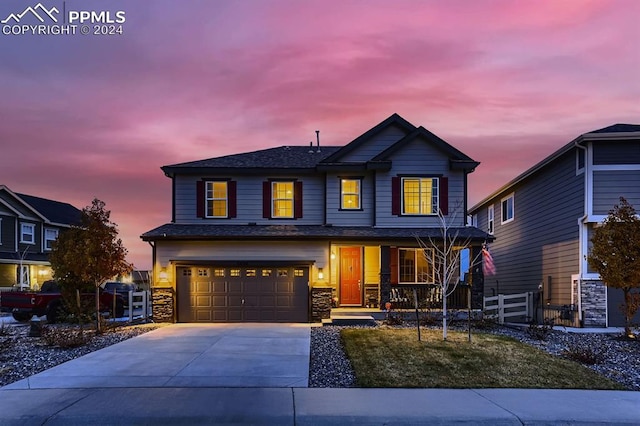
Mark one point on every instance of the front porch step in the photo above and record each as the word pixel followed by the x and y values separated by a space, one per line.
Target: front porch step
pixel 346 320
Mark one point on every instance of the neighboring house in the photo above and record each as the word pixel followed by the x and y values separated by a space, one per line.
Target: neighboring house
pixel 254 235
pixel 28 227
pixel 543 220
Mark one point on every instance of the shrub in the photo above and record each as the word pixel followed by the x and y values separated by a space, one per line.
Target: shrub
pixel 393 318
pixel 583 353
pixel 540 331
pixel 64 337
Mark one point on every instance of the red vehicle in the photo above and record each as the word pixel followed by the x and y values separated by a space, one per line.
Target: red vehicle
pixel 48 301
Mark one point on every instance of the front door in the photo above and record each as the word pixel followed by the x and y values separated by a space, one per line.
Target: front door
pixel 350 276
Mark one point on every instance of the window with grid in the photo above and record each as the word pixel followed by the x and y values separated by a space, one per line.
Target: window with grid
pixel 216 199
pixel 28 233
pixel 415 266
pixel 50 235
pixel 419 196
pixel 350 194
pixel 282 199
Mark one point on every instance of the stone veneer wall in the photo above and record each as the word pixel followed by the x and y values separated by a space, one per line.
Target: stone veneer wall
pixel 321 303
pixel 594 303
pixel 162 300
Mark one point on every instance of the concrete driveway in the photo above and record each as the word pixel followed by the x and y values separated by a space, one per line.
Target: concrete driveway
pixel 190 355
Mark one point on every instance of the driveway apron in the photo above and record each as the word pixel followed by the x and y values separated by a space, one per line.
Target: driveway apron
pixel 190 355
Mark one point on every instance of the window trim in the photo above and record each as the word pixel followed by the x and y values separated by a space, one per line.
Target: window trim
pixel 415 251
pixel 274 199
pixel 358 194
pixel 436 203
pixel 57 232
pixel 33 233
pixel 513 208
pixel 213 199
pixel 491 219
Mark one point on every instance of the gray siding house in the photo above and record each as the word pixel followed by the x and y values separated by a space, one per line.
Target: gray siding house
pixel 256 236
pixel 28 227
pixel 542 222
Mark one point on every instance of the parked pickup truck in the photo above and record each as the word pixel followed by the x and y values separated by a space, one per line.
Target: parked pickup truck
pixel 48 301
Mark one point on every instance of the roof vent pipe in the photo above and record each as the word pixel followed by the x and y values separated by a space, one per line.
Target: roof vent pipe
pixel 311 147
pixel 318 139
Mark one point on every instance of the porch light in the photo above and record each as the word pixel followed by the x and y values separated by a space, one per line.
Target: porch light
pixel 163 275
pixel 333 256
pixel 320 274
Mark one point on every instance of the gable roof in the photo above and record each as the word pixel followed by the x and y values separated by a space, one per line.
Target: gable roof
pixel 393 120
pixel 613 132
pixel 457 158
pixel 54 211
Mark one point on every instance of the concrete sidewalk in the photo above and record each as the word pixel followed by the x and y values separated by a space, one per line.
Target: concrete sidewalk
pixel 305 406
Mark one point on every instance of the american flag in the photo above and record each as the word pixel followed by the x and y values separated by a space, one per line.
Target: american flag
pixel 488 267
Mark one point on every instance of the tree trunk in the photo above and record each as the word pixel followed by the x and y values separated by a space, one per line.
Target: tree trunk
pixel 98 330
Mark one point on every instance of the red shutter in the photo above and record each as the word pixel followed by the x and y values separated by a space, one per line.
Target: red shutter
pixel 200 198
pixel 393 264
pixel 266 200
pixel 444 195
pixel 297 200
pixel 395 195
pixel 232 198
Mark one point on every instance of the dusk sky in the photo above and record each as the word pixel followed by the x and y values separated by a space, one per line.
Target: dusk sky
pixel 506 82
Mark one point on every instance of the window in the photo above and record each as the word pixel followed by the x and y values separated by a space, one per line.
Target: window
pixel 415 266
pixel 250 273
pixel 419 196
pixel 50 235
pixel 216 199
pixel 282 199
pixel 234 273
pixel 27 233
pixel 218 272
pixel 203 272
pixel 350 194
pixel 266 272
pixel 490 219
pixel 507 209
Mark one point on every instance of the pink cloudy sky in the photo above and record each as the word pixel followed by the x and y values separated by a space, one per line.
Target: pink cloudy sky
pixel 506 82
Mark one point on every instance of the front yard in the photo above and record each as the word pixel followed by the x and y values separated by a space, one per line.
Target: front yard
pixel 394 358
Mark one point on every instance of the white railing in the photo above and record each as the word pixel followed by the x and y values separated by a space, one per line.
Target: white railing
pixel 139 305
pixel 507 306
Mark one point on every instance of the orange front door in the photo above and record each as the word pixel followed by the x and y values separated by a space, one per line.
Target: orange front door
pixel 350 276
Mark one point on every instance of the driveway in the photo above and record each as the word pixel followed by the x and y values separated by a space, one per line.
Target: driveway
pixel 190 355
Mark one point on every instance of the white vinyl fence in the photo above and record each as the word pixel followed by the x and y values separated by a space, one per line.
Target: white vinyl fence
pixel 508 306
pixel 139 305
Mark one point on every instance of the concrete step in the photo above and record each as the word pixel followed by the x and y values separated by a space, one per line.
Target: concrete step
pixel 346 320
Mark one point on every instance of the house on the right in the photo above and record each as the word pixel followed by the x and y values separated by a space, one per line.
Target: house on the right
pixel 543 220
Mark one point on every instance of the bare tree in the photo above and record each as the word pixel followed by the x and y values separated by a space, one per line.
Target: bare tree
pixel 443 254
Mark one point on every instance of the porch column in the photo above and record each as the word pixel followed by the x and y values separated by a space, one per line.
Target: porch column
pixel 385 275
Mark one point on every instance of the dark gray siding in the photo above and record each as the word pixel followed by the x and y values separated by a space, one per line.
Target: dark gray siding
pixel 249 199
pixel 543 239
pixel 375 146
pixel 339 217
pixel 616 152
pixel 7 234
pixel 610 185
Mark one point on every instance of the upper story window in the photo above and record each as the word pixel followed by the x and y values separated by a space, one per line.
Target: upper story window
pixel 282 199
pixel 507 208
pixel 419 196
pixel 50 235
pixel 490 219
pixel 415 266
pixel 28 233
pixel 216 199
pixel 350 194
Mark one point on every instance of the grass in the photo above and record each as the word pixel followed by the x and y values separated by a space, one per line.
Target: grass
pixel 393 358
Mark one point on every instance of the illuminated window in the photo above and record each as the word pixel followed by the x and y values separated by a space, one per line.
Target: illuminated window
pixel 250 273
pixel 282 199
pixel 218 272
pixel 234 273
pixel 28 233
pixel 216 199
pixel 283 273
pixel 415 267
pixel 350 194
pixel 419 196
pixel 266 272
pixel 298 273
pixel 50 235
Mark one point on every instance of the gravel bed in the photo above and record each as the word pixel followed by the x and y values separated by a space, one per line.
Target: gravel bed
pixel 619 359
pixel 22 356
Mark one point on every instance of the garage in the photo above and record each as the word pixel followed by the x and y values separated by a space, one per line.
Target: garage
pixel 243 294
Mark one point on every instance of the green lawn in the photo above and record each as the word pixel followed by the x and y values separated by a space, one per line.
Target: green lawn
pixel 394 358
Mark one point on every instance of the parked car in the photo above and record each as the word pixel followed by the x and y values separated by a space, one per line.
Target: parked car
pixel 119 287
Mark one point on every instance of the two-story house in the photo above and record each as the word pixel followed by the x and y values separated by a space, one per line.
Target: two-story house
pixel 252 234
pixel 543 220
pixel 28 227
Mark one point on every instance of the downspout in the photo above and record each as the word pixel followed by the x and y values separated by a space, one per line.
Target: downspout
pixel 581 227
pixel 153 262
